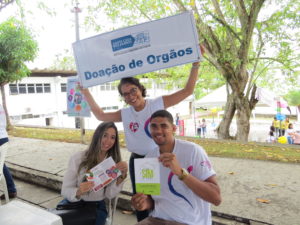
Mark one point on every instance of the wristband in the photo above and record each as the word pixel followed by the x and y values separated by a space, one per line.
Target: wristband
pixel 184 174
pixel 195 67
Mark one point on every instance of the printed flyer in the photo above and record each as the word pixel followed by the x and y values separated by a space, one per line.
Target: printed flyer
pixel 147 176
pixel 104 173
pixel 77 105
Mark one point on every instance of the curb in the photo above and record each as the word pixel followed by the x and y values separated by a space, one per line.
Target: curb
pixel 54 182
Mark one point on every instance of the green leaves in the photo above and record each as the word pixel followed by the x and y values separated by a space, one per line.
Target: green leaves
pixel 16 47
pixel 293 97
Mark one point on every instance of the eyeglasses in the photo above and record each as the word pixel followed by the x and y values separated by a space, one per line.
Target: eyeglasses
pixel 132 92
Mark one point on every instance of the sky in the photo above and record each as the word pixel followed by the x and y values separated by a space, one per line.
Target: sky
pixel 54 34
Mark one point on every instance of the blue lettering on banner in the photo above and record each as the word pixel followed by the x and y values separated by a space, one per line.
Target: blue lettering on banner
pixel 104 72
pixel 122 43
pixel 136 63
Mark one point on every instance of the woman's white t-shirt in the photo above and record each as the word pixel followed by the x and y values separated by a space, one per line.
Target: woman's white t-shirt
pixel 136 126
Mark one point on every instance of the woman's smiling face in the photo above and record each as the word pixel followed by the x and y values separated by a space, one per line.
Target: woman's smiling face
pixel 108 139
pixel 132 95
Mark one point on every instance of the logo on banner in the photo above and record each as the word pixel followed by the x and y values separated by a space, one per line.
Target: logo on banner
pixel 133 126
pixel 133 41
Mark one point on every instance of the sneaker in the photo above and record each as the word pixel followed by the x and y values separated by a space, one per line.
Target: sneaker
pixel 10 195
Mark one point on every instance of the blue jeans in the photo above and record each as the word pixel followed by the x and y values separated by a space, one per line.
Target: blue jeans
pixel 290 140
pixel 203 130
pixel 140 215
pixel 101 211
pixel 11 187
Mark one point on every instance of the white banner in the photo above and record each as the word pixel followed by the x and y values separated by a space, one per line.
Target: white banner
pixel 137 49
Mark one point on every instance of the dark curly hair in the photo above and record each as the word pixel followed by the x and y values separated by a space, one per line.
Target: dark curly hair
pixel 134 81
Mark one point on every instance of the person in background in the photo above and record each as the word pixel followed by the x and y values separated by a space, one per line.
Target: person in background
pixel 11 187
pixel 187 180
pixel 135 118
pixel 283 125
pixel 199 129
pixel 297 138
pixel 290 134
pixel 76 187
pixel 271 138
pixel 286 124
pixel 276 125
pixel 203 127
pixel 177 119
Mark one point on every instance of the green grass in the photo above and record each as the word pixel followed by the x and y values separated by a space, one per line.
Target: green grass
pixel 221 148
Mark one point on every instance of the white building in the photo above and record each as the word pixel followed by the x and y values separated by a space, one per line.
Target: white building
pixel 41 100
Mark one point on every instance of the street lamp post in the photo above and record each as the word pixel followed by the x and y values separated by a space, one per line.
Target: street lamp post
pixel 77 10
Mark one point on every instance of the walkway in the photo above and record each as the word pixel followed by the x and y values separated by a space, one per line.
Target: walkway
pixel 245 184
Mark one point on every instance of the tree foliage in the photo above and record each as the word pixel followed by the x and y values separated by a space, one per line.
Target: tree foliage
pixel 64 61
pixel 244 39
pixel 17 47
pixel 293 97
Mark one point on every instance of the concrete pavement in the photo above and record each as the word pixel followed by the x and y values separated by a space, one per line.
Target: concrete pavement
pixel 245 184
pixel 45 198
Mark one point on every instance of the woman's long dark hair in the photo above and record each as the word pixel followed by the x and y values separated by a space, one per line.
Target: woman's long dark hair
pixel 91 158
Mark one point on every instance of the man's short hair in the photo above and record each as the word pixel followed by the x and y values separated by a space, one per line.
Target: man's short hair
pixel 162 113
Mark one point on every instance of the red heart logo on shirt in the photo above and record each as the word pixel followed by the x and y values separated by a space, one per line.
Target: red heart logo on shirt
pixel 133 126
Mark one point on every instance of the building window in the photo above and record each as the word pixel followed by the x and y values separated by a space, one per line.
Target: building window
pixel 22 89
pixel 39 88
pixel 110 86
pixel 49 121
pixel 30 88
pixel 13 89
pixel 162 85
pixel 113 86
pixel 47 88
pixel 63 87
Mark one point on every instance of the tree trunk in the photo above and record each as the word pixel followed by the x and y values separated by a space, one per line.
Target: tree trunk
pixel 223 128
pixel 8 124
pixel 243 118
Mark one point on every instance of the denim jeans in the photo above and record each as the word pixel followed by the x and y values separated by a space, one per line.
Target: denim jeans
pixel 290 140
pixel 101 211
pixel 11 187
pixel 140 215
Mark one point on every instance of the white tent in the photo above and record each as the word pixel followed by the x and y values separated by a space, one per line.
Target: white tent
pixel 218 98
pixel 267 101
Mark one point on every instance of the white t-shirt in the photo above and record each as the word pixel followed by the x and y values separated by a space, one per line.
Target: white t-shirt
pixel 136 126
pixel 3 132
pixel 288 131
pixel 176 201
pixel 271 139
pixel 72 181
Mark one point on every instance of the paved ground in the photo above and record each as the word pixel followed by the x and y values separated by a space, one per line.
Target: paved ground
pixel 243 182
pixel 46 198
